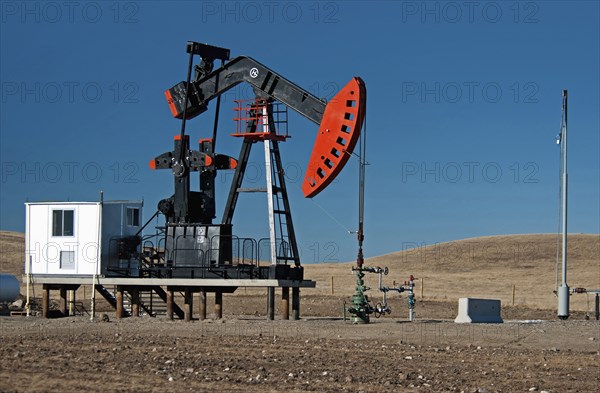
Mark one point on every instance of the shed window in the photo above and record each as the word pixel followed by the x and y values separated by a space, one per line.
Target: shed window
pixel 133 217
pixel 62 222
pixel 67 259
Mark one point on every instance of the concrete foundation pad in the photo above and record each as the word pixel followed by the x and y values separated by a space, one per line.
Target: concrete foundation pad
pixel 478 311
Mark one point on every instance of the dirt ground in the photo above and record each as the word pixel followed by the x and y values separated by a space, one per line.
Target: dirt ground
pixel 531 351
pixel 324 354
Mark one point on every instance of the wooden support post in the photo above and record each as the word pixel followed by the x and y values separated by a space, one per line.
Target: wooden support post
pixel 45 300
pixel 422 288
pixel 285 303
pixel 513 295
pixel 64 307
pixel 597 306
pixel 135 302
pixel 218 305
pixel 188 303
pixel 270 303
pixel 296 303
pixel 120 311
pixel 72 296
pixel 332 285
pixel 169 303
pixel 202 305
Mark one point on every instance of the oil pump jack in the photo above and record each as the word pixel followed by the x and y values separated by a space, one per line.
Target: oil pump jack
pixel 194 246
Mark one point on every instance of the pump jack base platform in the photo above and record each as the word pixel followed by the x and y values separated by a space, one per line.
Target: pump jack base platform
pixel 187 286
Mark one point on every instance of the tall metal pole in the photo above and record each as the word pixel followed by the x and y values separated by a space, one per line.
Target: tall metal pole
pixel 360 303
pixel 98 257
pixel 28 275
pixel 180 158
pixel 361 197
pixel 563 290
pixel 269 179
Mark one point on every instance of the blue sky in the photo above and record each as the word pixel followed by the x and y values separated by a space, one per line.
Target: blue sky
pixel 464 102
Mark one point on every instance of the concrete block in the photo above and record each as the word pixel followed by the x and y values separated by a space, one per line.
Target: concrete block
pixel 478 311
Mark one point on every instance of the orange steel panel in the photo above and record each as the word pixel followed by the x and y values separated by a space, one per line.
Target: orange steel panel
pixel 338 134
pixel 170 102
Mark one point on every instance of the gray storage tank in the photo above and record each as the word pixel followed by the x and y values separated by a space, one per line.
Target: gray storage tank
pixel 9 288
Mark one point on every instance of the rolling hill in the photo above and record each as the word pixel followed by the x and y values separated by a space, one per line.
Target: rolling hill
pixel 480 267
pixel 485 267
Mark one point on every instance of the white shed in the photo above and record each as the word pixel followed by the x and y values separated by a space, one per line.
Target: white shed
pixel 62 238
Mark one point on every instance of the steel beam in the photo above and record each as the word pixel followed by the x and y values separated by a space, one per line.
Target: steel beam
pixel 296 303
pixel 119 297
pixel 188 304
pixel 218 305
pixel 271 208
pixel 135 301
pixel 72 301
pixel 285 303
pixel 45 300
pixel 175 282
pixel 169 304
pixel 202 305
pixel 236 183
pixel 289 222
pixel 64 307
pixel 245 69
pixel 270 303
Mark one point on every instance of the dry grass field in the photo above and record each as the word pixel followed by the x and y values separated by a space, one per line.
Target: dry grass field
pixel 322 353
pixel 12 253
pixel 486 267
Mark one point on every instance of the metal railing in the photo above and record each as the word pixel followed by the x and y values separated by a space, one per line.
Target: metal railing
pixel 282 247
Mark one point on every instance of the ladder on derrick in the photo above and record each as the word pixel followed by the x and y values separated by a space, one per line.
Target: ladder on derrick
pixel 281 228
pixel 264 123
